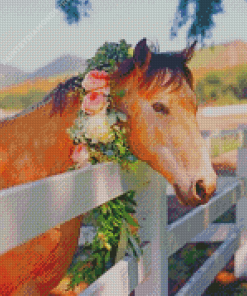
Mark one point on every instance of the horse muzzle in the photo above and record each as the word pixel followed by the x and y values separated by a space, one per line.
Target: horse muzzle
pixel 198 193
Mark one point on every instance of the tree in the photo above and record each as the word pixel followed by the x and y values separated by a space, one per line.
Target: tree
pixel 239 89
pixel 73 9
pixel 202 18
pixel 202 15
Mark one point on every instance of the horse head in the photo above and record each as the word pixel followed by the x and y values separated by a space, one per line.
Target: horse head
pixel 160 105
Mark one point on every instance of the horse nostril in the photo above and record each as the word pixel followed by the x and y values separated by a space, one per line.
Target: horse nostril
pixel 200 189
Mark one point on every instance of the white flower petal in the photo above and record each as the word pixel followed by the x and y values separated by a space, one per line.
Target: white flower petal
pixel 122 116
pixel 97 127
pixel 112 118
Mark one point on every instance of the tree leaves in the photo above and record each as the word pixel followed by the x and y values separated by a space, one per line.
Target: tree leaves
pixel 202 18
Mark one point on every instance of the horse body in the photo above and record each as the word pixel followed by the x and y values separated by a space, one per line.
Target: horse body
pixel 162 130
pixel 33 145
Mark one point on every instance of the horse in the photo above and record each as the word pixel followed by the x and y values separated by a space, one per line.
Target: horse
pixel 160 106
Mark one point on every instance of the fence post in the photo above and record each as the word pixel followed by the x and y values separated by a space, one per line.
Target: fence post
pixel 243 129
pixel 157 281
pixel 240 262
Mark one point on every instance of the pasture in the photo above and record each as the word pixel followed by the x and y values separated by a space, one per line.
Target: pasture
pixel 224 144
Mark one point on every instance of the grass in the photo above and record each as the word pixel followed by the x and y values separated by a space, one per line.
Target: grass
pixel 201 57
pixel 224 144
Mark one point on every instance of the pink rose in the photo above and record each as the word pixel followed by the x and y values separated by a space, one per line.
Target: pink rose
pixel 93 102
pixel 95 79
pixel 104 90
pixel 81 155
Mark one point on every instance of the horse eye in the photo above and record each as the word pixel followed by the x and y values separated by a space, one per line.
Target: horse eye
pixel 161 108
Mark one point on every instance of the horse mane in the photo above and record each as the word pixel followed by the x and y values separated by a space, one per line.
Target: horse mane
pixel 160 64
pixel 58 97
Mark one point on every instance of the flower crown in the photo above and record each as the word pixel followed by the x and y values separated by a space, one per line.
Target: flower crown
pixel 99 133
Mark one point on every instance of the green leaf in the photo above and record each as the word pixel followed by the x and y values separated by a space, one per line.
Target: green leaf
pixel 112 63
pixel 107 257
pixel 129 209
pixel 122 245
pixel 121 93
pixel 104 209
pixel 130 219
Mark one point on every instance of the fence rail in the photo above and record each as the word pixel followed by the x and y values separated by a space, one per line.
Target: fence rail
pixel 48 202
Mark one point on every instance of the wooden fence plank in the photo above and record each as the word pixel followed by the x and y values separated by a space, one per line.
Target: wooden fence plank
pixel 186 228
pixel 33 208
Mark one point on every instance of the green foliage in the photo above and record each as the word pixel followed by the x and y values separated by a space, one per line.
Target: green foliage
pixel 73 9
pixel 223 87
pixel 213 78
pixel 110 219
pixel 107 56
pixel 206 91
pixel 202 18
pixel 240 88
pixel 225 144
pixel 242 80
pixel 186 261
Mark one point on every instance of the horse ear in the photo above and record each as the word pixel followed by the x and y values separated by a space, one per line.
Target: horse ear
pixel 142 54
pixel 188 52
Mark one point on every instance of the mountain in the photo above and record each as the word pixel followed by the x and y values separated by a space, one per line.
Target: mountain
pixel 218 57
pixel 64 64
pixel 11 75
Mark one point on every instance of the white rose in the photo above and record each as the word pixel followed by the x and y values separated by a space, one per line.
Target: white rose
pixel 97 128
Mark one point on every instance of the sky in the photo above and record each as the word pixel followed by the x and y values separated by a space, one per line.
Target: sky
pixel 34 33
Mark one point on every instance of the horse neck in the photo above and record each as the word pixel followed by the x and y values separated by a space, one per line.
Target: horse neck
pixel 36 145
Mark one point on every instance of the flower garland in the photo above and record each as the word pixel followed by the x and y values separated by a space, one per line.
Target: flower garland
pixel 100 130
pixel 99 136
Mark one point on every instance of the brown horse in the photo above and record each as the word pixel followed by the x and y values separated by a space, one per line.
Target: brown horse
pixel 162 130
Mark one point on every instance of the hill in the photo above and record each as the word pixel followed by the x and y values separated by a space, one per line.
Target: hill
pixel 220 57
pixel 10 75
pixel 224 62
pixel 64 64
pixel 20 89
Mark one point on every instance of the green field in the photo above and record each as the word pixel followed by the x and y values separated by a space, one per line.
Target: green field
pixel 224 144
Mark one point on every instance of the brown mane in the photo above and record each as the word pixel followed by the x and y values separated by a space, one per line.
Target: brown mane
pixel 58 97
pixel 160 64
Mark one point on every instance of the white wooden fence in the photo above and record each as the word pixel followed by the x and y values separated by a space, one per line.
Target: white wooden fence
pixel 30 209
